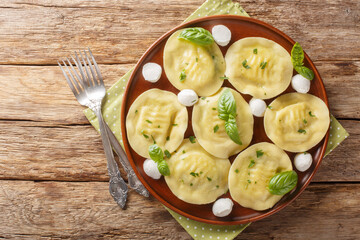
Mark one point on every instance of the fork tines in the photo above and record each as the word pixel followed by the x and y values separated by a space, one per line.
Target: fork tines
pixel 78 82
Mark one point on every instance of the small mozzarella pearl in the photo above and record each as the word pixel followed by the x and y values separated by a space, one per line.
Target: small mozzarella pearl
pixel 300 84
pixel 257 106
pixel 152 72
pixel 221 34
pixel 303 161
pixel 150 168
pixel 187 97
pixel 222 207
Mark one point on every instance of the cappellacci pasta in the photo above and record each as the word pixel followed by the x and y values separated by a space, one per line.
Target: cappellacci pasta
pixel 259 67
pixel 251 172
pixel 196 176
pixel 210 131
pixel 191 66
pixel 156 116
pixel 296 122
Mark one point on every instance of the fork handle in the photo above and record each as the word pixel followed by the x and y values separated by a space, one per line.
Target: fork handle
pixel 118 188
pixel 134 182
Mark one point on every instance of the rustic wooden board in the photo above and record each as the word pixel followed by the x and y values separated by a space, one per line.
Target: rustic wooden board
pixel 33 151
pixel 42 127
pixel 40 32
pixel 40 93
pixel 73 210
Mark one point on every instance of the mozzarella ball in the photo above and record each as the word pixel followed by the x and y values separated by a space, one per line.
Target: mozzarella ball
pixel 303 161
pixel 150 168
pixel 222 207
pixel 300 84
pixel 187 97
pixel 258 107
pixel 152 72
pixel 221 34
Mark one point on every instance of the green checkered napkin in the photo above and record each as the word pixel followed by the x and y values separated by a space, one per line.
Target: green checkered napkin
pixel 111 110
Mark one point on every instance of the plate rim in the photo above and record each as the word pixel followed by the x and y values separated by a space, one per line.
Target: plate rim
pixel 127 146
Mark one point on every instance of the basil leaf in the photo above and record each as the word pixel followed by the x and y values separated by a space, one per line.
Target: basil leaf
pixel 297 55
pixel 163 168
pixel 227 112
pixel 156 153
pixel 197 35
pixel 283 183
pixel 226 105
pixel 232 130
pixel 305 72
pixel 297 58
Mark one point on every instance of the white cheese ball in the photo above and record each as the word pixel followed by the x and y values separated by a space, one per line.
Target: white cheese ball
pixel 300 84
pixel 221 34
pixel 258 107
pixel 150 168
pixel 152 72
pixel 187 97
pixel 303 161
pixel 222 207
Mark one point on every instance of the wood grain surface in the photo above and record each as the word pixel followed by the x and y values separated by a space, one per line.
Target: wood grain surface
pixel 83 210
pixel 53 179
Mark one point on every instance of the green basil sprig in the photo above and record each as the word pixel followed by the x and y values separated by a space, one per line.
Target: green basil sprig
pixel 283 183
pixel 163 168
pixel 226 105
pixel 227 112
pixel 157 155
pixel 197 35
pixel 305 72
pixel 297 58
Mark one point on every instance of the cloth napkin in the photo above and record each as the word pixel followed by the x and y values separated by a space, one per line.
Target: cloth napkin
pixel 111 113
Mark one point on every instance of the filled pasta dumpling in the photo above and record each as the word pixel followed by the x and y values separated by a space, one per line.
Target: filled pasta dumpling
pixel 156 116
pixel 196 176
pixel 259 67
pixel 296 122
pixel 191 66
pixel 251 172
pixel 210 131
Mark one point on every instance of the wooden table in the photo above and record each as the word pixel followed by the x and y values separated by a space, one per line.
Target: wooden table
pixel 53 178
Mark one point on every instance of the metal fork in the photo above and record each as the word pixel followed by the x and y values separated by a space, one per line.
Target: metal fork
pixel 89 90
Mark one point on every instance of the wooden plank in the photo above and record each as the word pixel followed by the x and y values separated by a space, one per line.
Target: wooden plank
pixel 40 93
pixel 326 211
pixel 340 164
pixel 110 28
pixel 69 153
pixel 31 151
pixel 342 88
pixel 67 210
pixel 42 32
pixel 317 25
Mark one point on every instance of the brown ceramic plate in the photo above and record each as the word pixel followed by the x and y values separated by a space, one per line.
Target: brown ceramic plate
pixel 240 27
